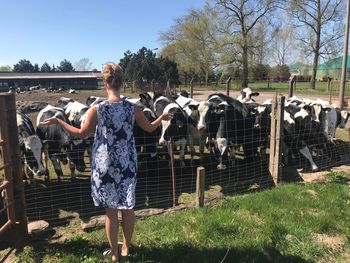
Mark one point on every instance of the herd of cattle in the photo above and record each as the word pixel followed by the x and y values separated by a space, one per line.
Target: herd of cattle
pixel 221 124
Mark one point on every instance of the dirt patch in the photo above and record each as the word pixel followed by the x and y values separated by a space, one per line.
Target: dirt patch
pixel 312 192
pixel 335 242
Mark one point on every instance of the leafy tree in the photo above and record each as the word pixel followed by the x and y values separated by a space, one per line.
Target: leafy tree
pixel 5 68
pixel 191 42
pixel 259 72
pixel 145 66
pixel 36 67
pixel 23 66
pixel 320 28
pixel 65 66
pixel 45 67
pixel 53 69
pixel 83 64
pixel 279 73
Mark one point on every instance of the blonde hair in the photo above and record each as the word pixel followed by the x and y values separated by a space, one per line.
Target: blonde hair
pixel 113 75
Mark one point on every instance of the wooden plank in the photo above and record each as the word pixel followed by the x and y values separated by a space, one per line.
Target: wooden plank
pixel 273 136
pixel 4 185
pixel 279 131
pixel 6 226
pixel 200 187
pixel 20 229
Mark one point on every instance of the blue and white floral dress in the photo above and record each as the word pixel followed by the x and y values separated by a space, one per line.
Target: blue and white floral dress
pixel 114 158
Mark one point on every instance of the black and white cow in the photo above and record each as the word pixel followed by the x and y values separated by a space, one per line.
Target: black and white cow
pixel 246 95
pixel 159 105
pixel 229 124
pixel 93 100
pixel 30 147
pixel 175 130
pixel 60 144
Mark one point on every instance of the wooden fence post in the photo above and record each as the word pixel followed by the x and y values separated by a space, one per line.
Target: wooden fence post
pixel 228 86
pixel 277 116
pixel 191 90
pixel 170 151
pixel 292 79
pixel 200 186
pixel 20 225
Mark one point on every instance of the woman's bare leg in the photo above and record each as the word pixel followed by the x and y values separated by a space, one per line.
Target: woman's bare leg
pixel 128 222
pixel 112 231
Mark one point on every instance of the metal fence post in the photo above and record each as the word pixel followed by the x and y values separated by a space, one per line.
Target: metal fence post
pixel 228 86
pixel 191 90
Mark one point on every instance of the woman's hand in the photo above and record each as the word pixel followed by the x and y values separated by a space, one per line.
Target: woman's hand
pixel 167 116
pixel 49 121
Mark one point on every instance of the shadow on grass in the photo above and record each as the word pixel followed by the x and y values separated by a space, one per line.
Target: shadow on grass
pixel 79 249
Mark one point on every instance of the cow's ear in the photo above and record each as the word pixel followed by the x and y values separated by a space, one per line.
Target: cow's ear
pixel 255 94
pixel 142 96
pixel 193 107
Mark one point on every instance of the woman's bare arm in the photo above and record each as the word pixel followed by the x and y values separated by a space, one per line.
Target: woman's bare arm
pixel 88 127
pixel 145 124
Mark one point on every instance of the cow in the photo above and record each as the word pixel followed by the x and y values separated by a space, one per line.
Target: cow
pixel 93 100
pixel 30 147
pixel 246 95
pixel 60 144
pixel 229 125
pixel 175 130
pixel 160 104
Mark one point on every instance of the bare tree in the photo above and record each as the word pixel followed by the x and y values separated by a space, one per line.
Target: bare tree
pixel 319 24
pixel 282 44
pixel 242 16
pixel 83 64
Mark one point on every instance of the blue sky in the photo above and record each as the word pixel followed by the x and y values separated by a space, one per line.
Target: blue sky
pixel 101 30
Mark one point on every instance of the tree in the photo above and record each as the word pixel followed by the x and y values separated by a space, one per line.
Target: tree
pixel 145 66
pixel 83 64
pixel 23 66
pixel 282 43
pixel 45 67
pixel 279 73
pixel 191 42
pixel 65 66
pixel 36 67
pixel 53 69
pixel 5 68
pixel 319 22
pixel 239 20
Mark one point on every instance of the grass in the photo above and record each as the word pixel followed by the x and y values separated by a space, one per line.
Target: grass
pixel 283 224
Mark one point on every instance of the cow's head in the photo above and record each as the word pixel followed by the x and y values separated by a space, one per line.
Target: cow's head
pixel 344 118
pixel 32 151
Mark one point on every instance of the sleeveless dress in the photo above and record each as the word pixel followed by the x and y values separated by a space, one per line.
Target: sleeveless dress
pixel 114 157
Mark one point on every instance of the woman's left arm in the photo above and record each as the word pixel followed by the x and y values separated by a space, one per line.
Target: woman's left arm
pixel 88 127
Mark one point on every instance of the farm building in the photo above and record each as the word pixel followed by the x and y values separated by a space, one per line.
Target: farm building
pixel 332 68
pixel 64 80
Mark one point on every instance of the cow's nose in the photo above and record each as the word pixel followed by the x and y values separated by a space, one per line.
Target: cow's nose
pixel 257 126
pixel 162 141
pixel 200 127
pixel 81 168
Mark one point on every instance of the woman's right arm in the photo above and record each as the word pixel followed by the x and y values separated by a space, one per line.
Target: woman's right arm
pixel 145 124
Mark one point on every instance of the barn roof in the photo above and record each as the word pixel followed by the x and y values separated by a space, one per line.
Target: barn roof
pixel 49 75
pixel 335 63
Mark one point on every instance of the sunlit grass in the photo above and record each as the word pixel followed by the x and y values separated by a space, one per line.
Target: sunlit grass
pixel 277 225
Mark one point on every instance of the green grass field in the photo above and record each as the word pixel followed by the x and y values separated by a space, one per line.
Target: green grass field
pixel 289 223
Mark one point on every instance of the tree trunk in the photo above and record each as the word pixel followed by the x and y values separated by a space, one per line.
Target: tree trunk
pixel 317 47
pixel 245 68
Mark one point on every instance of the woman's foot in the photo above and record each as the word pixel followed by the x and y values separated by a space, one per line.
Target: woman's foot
pixel 124 251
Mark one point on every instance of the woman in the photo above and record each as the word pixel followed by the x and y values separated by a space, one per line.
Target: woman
pixel 114 158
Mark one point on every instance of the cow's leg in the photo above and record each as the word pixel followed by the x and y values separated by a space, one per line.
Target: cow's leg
pixel 72 170
pixel 56 165
pixel 182 144
pixel 306 153
pixel 221 144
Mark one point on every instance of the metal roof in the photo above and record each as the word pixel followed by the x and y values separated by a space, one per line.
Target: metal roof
pixel 49 75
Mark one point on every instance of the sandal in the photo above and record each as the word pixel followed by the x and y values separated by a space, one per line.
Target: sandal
pixel 107 253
